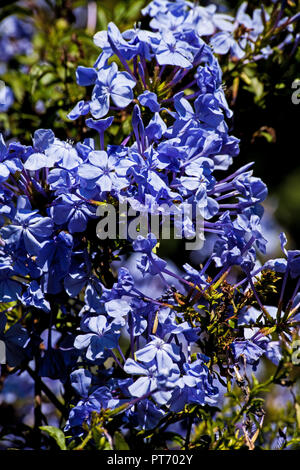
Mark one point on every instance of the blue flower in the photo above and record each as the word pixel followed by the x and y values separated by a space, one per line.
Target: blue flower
pixel 81 380
pixel 9 288
pixel 207 109
pixel 145 245
pixel 119 46
pixel 158 349
pixel 125 282
pixel 6 98
pixel 290 265
pixel 157 6
pixel 117 309
pixel 34 296
pixel 176 141
pixel 80 109
pixel 99 170
pixel 64 154
pixel 224 42
pixel 196 386
pixel 274 352
pixel 149 261
pixel 72 211
pixel 111 84
pixel 156 128
pixel 101 398
pixel 42 140
pixel 153 380
pixel 101 336
pixel 149 99
pixel 54 258
pixel 142 41
pixel 57 362
pixel 209 77
pixel 16 341
pixel 77 279
pixel 169 21
pixel 100 125
pixel 170 51
pixel 145 415
pixel 8 164
pixel 92 296
pixel 86 76
pixel 28 227
pixel 248 350
pixel 15 37
pixel 254 26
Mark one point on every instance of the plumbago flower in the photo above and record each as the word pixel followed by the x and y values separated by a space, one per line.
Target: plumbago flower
pixel 160 358
pixel 237 36
pixel 109 84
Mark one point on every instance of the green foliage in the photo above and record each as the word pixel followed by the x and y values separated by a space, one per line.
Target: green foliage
pixel 43 82
pixel 57 434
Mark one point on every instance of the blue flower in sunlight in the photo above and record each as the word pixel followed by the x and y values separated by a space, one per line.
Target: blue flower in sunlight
pixel 16 341
pixel 6 98
pixel 152 380
pixel 164 353
pixel 71 210
pixel 248 350
pixel 117 310
pixel 224 42
pixel 90 402
pixel 35 296
pixel 9 288
pixel 196 386
pixel 64 154
pixel 113 85
pixel 101 336
pixel 100 169
pixel 171 51
pixel 28 227
pixel 149 100
pixel 7 164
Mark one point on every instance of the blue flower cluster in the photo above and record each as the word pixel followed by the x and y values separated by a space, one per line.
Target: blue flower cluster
pixel 167 84
pixel 227 35
pixel 15 39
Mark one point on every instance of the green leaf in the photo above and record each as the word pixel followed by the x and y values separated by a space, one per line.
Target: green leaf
pixel 268 331
pixel 267 136
pixel 257 88
pixel 245 78
pixel 120 442
pixel 119 11
pixel 102 18
pixel 297 407
pixel 97 434
pixel 294 441
pixel 57 434
pixel 133 11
